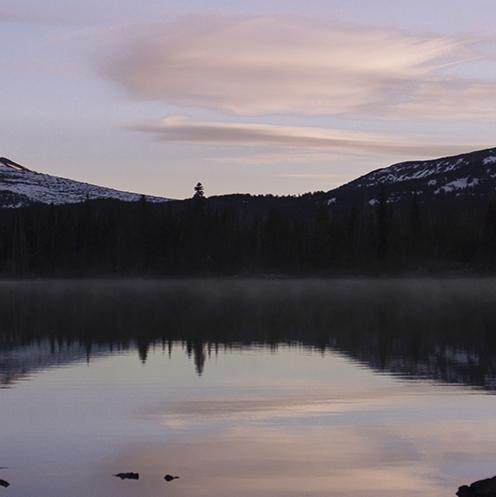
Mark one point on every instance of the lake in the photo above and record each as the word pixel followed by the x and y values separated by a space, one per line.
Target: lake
pixel 247 388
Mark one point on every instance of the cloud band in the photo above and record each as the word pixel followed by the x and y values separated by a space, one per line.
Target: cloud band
pixel 180 129
pixel 280 65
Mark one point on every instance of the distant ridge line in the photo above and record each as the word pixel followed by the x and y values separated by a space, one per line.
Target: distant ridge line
pixel 14 165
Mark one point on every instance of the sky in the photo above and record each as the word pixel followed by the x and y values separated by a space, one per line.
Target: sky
pixel 273 96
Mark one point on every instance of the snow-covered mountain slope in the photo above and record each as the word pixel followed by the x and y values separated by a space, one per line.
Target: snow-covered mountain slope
pixel 471 175
pixel 20 186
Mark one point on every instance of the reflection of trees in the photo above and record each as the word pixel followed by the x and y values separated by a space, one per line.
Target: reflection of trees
pixel 443 330
pixel 197 349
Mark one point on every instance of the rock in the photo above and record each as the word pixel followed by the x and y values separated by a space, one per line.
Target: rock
pixel 170 477
pixel 4 483
pixel 127 476
pixel 481 488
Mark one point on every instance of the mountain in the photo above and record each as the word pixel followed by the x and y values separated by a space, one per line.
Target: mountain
pixel 20 186
pixel 470 176
pixel 462 182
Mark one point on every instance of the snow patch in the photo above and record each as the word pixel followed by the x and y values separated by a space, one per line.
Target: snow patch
pixel 458 184
pixel 489 160
pixel 47 189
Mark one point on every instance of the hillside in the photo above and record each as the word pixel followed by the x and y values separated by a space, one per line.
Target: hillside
pixel 20 187
pixel 470 176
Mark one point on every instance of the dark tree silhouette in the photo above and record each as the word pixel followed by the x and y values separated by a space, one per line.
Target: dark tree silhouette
pixel 199 191
pixel 248 236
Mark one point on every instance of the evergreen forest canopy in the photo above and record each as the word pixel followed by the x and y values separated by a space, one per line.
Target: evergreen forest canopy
pixel 248 236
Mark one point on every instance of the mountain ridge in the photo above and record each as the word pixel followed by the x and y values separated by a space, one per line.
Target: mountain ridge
pixel 13 165
pixel 21 186
pixel 469 175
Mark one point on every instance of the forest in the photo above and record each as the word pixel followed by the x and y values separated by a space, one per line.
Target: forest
pixel 247 236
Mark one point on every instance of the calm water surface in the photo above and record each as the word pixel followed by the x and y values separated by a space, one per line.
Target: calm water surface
pixel 247 388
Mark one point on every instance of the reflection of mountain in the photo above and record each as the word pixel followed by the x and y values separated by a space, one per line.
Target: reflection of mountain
pixel 18 361
pixel 444 330
pixel 444 363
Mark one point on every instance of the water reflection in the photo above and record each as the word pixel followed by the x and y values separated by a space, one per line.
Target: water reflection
pixel 443 330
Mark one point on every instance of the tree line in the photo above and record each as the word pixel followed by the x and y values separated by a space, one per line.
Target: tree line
pixel 271 236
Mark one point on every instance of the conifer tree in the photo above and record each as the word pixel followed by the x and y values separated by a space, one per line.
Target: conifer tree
pixel 199 191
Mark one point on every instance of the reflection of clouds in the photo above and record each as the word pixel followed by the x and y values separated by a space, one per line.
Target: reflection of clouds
pixel 267 65
pixel 389 440
pixel 457 442
pixel 180 129
pixel 290 460
pixel 318 408
pixel 198 412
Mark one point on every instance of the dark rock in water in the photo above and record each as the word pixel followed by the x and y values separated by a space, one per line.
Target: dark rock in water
pixel 481 488
pixel 170 477
pixel 4 483
pixel 127 476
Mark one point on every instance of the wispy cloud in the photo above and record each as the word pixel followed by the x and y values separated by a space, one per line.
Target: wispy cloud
pixel 281 65
pixel 312 176
pixel 277 156
pixel 181 129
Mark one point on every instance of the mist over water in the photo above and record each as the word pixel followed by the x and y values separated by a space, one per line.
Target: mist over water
pixel 437 329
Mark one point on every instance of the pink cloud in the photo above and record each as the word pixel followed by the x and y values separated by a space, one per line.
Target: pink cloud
pixel 281 65
pixel 181 129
